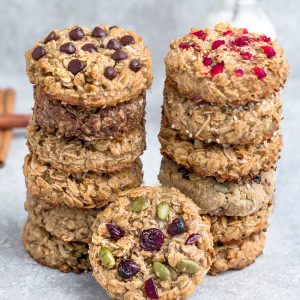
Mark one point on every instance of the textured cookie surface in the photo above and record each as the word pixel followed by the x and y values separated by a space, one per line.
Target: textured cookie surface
pixel 77 156
pixel 248 124
pixel 67 224
pixel 238 255
pixel 220 161
pixel 228 198
pixel 85 190
pixel 145 220
pixel 226 65
pixel 54 253
pixel 87 123
pixel 91 68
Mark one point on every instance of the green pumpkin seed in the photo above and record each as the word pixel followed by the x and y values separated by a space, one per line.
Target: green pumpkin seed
pixel 161 271
pixel 221 188
pixel 163 210
pixel 107 258
pixel 140 204
pixel 188 266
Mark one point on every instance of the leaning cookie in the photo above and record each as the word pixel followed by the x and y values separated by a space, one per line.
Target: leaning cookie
pixel 67 120
pixel 67 224
pixel 78 156
pixel 237 254
pixel 54 253
pixel 91 68
pixel 226 65
pixel 229 198
pixel 226 229
pixel 85 190
pixel 248 124
pixel 151 243
pixel 225 162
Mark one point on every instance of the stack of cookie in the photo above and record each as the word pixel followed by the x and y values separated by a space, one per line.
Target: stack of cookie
pixel 85 138
pixel 220 133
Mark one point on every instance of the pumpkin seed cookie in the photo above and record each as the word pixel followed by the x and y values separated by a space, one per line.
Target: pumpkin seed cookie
pixel 220 161
pixel 237 254
pixel 248 124
pixel 88 124
pixel 229 198
pixel 83 190
pixel 151 243
pixel 77 156
pixel 54 253
pixel 90 67
pixel 226 65
pixel 67 224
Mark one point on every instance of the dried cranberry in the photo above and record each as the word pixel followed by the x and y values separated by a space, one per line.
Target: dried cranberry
pixel 245 31
pixel 150 289
pixel 199 34
pixel 216 44
pixel 127 269
pixel 217 69
pixel 242 41
pixel 257 179
pixel 239 72
pixel 265 39
pixel 259 72
pixel 185 46
pixel 115 231
pixel 207 61
pixel 246 55
pixel 228 32
pixel 176 227
pixel 151 239
pixel 192 239
pixel 269 51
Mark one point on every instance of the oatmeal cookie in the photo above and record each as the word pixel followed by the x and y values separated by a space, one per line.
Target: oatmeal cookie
pixel 67 120
pixel 226 65
pixel 238 254
pixel 229 198
pixel 67 224
pixel 78 156
pixel 90 67
pixel 225 162
pixel 84 190
pixel 54 253
pixel 226 229
pixel 151 243
pixel 248 124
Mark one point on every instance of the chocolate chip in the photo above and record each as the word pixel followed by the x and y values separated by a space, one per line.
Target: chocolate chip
pixel 98 32
pixel 76 34
pixel 119 55
pixel 75 66
pixel 257 179
pixel 184 172
pixel 38 52
pixel 135 65
pixel 127 40
pixel 89 47
pixel 110 73
pixel 68 48
pixel 50 37
pixel 114 44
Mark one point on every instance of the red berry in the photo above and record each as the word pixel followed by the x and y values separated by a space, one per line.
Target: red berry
pixel 127 269
pixel 115 231
pixel 216 44
pixel 228 32
pixel 185 46
pixel 217 69
pixel 192 239
pixel 199 34
pixel 245 31
pixel 176 227
pixel 242 41
pixel 150 289
pixel 207 61
pixel 265 39
pixel 259 72
pixel 269 51
pixel 246 55
pixel 239 72
pixel 152 239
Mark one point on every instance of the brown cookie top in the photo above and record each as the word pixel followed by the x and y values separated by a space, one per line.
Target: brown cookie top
pixel 90 67
pixel 226 65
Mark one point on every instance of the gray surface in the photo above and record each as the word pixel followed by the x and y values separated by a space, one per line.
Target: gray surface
pixel 276 275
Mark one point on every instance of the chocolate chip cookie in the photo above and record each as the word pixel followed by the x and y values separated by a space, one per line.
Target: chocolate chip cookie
pixel 151 243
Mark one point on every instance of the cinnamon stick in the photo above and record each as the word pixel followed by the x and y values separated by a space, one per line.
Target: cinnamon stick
pixel 7 104
pixel 14 121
